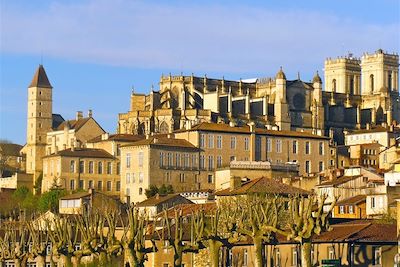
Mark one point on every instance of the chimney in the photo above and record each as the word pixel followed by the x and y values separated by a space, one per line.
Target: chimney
pixel 235 182
pixel 90 113
pixel 105 136
pixel 79 115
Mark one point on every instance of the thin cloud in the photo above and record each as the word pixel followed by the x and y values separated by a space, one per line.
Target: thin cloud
pixel 204 37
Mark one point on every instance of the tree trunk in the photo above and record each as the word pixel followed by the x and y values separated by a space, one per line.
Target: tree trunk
pixel 258 249
pixel 66 261
pixel 214 252
pixel 103 260
pixel 178 257
pixel 40 261
pixel 306 253
pixel 129 257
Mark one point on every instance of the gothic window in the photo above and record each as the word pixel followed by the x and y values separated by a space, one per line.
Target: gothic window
pixel 334 85
pixel 164 127
pixel 371 82
pixel 351 86
pixel 390 81
pixel 299 101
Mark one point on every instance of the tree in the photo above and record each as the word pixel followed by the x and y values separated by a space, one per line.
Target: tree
pixel 49 200
pixel 163 190
pixel 25 199
pixel 152 191
pixel 134 237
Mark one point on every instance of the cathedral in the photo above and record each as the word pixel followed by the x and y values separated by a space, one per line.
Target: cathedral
pixel 357 93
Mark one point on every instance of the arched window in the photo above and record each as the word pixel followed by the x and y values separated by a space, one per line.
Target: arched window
pixel 371 82
pixel 334 85
pixel 390 81
pixel 164 128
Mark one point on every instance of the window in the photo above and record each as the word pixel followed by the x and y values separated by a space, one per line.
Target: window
pixel 186 160
pixel 219 161
pixel 277 257
pixel 91 165
pixel 246 144
pixel 118 150
pixel 194 160
pixel 245 257
pixel 182 177
pixel 377 256
pixel 118 168
pixel 210 163
pixel 307 149
pixel 72 185
pixel 81 166
pixel 90 184
pixel 269 145
pixel 140 191
pixel 295 147
pixel 334 85
pixel 219 141
pixel 72 166
pixel 132 177
pixel 178 160
pixel 331 253
pixel 99 185
pixel 278 146
pixel 320 166
pixel 341 209
pixel 232 158
pixel 308 166
pixel 294 257
pixel 140 158
pixel 371 82
pixel 169 159
pixel 140 177
pixel 202 140
pixel 210 178
pixel 100 168
pixel 202 162
pixel 233 142
pixel 109 168
pixel 128 160
pixel 321 148
pixel 161 160
pixel 109 185
pixel 373 202
pixel 167 177
pixel 210 141
pixel 351 210
pixel 81 184
pixel 118 186
pixel 128 178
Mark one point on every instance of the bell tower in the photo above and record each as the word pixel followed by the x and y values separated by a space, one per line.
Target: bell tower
pixel 39 121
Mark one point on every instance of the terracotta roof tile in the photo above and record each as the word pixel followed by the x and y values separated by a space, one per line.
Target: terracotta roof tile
pixel 73 124
pixel 83 152
pixel 40 78
pixel 352 200
pixel 263 185
pixel 163 141
pixel 118 137
pixel 156 200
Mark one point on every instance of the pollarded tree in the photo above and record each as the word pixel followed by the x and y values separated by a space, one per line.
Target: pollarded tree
pixel 14 243
pixel 134 238
pixel 39 241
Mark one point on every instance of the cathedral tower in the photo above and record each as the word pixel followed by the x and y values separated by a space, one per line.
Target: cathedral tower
pixel 39 121
pixel 343 75
pixel 380 72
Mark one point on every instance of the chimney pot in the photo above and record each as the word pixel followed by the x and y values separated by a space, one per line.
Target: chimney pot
pixel 79 115
pixel 90 113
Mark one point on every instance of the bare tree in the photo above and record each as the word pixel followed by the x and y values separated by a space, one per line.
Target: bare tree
pixel 14 243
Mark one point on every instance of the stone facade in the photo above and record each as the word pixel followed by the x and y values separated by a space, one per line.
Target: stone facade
pixel 348 101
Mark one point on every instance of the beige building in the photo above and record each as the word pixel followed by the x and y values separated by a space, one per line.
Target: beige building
pixel 81 168
pixel 357 92
pixel 73 133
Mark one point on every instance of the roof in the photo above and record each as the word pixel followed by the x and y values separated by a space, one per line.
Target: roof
pixel 339 180
pixel 118 137
pixel 10 149
pixel 263 185
pixel 57 119
pixel 73 124
pixel 373 130
pixel 360 231
pixel 40 78
pixel 158 199
pixel 352 200
pixel 163 141
pixel 76 195
pixel 222 127
pixel 83 153
pixel 189 209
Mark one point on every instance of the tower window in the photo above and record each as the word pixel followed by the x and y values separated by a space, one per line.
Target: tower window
pixel 371 82
pixel 334 85
pixel 352 86
pixel 40 92
pixel 390 81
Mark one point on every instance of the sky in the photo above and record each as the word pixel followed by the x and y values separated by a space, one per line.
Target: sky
pixel 95 51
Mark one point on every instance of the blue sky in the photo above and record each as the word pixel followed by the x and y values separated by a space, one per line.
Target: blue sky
pixel 94 51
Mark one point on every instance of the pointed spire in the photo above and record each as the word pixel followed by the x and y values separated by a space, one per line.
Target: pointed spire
pixel 316 78
pixel 280 74
pixel 298 75
pixel 40 78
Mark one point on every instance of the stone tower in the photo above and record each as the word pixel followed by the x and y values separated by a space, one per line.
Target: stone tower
pixel 39 121
pixel 281 108
pixel 380 72
pixel 343 75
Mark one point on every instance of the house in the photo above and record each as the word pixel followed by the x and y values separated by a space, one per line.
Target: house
pixel 11 160
pixel 351 208
pixel 158 203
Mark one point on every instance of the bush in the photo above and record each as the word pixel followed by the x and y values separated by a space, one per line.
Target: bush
pixel 49 200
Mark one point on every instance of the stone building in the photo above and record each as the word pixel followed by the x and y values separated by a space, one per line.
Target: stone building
pixel 357 92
